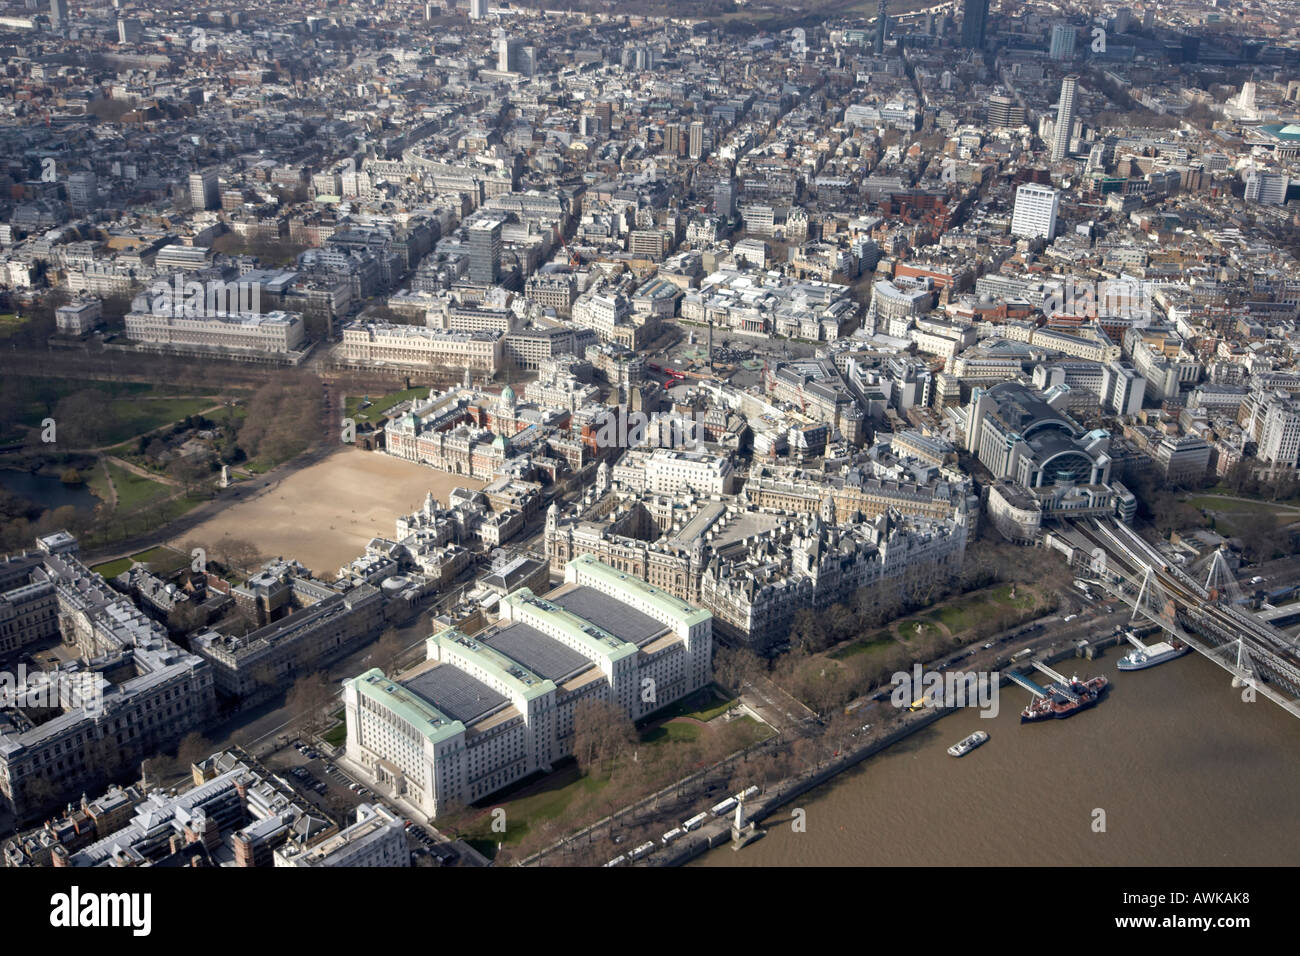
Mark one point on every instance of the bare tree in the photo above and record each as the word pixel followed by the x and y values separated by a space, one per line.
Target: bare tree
pixel 308 698
pixel 602 733
pixel 387 650
pixel 193 748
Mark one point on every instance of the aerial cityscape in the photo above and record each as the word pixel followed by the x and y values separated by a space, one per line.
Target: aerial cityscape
pixel 649 434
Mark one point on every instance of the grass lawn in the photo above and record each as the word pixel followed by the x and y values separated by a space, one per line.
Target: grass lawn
pixel 336 735
pixel 41 395
pixel 9 324
pixel 134 491
pixel 111 569
pixel 163 560
pixel 673 732
pixel 975 609
pixel 375 412
pixel 1229 506
pixel 704 705
pixel 875 643
pixel 539 800
pixel 907 630
pixel 131 418
pixel 98 483
pixel 754 730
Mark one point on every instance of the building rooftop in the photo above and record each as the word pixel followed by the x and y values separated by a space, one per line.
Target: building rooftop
pixel 457 694
pixel 540 653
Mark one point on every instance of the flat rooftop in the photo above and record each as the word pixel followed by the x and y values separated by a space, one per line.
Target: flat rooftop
pixel 455 693
pixel 543 655
pixel 608 613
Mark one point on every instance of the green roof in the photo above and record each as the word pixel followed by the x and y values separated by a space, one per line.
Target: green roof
pixel 1288 131
pixel 675 609
pixel 419 713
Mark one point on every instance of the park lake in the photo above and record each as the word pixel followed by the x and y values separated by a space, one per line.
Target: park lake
pixel 47 491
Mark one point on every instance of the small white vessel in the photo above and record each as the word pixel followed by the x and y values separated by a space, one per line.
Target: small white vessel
pixel 1149 655
pixel 962 747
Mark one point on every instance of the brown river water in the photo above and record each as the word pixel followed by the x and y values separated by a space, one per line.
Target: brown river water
pixel 1185 771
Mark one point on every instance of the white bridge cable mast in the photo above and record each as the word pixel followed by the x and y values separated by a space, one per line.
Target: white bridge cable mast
pixel 1222 581
pixel 1225 635
pixel 1259 657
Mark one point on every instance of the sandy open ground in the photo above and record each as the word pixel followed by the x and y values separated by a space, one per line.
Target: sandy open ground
pixel 325 514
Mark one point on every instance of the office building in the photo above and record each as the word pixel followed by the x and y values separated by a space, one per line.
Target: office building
pixel 1004 111
pixel 368 343
pixel 672 139
pixel 508 54
pixel 132 693
pixel 1269 188
pixel 268 332
pixel 485 711
pixel 1021 433
pixel 378 838
pixel 1064 119
pixel 697 140
pixel 1034 216
pixel 83 190
pixel 975 14
pixel 724 198
pixel 1279 438
pixel 485 251
pixel 1062 45
pixel 477 9
pixel 204 190
pixel 128 30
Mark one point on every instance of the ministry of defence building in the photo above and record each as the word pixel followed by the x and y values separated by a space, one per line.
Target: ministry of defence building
pixel 484 711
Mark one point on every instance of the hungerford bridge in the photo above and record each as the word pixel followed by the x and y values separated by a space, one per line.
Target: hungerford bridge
pixel 1205 615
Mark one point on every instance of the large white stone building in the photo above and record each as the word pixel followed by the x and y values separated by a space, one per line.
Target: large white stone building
pixel 272 332
pixel 368 343
pixel 485 711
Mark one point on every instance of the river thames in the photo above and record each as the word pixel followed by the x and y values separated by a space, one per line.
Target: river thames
pixel 1187 774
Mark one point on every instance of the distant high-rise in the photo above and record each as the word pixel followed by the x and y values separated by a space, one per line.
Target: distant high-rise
pixel 1267 188
pixel 1004 111
pixel 1123 19
pixel 59 13
pixel 204 192
pixel 128 30
pixel 485 252
pixel 83 190
pixel 477 9
pixel 697 140
pixel 673 139
pixel 1246 99
pixel 724 198
pixel 1062 46
pixel 975 13
pixel 882 24
pixel 508 54
pixel 1034 216
pixel 1064 119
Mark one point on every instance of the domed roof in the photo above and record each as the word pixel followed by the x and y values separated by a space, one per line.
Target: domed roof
pixel 507 394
